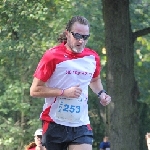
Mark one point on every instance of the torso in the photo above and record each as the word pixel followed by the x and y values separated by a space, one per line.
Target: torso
pixel 68 69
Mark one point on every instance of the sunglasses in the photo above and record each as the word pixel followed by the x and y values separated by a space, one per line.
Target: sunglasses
pixel 39 136
pixel 78 36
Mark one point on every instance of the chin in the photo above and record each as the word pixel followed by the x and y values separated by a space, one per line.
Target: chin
pixel 77 50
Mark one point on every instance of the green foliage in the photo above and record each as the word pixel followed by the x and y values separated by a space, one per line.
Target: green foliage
pixel 142 68
pixel 27 29
pixel 140 19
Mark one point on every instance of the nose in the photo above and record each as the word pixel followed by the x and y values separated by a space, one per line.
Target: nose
pixel 81 40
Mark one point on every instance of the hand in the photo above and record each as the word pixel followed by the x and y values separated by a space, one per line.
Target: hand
pixel 40 148
pixel 105 99
pixel 73 92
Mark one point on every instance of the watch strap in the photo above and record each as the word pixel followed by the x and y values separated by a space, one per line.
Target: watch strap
pixel 102 91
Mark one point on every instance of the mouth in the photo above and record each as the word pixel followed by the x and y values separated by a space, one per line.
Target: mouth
pixel 78 45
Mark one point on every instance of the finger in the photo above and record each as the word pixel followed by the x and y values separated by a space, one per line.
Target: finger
pixel 103 103
pixel 108 101
pixel 107 97
pixel 103 95
pixel 77 93
pixel 103 100
pixel 78 90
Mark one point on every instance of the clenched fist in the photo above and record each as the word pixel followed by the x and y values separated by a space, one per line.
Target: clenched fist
pixel 105 99
pixel 73 92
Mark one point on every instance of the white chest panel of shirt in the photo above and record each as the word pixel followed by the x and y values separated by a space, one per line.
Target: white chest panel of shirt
pixel 72 72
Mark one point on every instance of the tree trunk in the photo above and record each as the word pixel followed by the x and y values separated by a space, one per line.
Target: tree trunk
pixel 121 84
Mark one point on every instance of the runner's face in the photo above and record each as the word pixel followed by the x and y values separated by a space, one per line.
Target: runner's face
pixel 75 38
pixel 38 140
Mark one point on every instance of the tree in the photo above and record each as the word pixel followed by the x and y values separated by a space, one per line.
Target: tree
pixel 121 82
pixel 27 29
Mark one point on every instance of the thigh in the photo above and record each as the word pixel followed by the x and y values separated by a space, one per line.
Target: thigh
pixel 80 147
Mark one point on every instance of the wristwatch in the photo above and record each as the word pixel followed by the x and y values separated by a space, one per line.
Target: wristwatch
pixel 102 91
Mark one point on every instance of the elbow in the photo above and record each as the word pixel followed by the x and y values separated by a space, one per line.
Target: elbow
pixel 32 93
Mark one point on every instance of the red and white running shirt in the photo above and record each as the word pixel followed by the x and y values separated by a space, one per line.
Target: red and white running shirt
pixel 61 68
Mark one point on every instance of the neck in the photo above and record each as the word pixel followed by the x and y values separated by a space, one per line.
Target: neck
pixel 68 47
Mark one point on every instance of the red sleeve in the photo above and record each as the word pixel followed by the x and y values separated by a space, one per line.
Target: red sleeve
pixel 98 67
pixel 45 67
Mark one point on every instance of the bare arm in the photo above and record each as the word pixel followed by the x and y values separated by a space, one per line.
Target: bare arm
pixel 96 87
pixel 38 89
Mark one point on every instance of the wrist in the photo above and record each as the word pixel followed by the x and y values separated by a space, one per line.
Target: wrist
pixel 102 91
pixel 62 92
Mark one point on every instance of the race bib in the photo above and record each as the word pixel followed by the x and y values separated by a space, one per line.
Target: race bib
pixel 69 109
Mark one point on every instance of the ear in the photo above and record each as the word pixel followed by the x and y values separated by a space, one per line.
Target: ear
pixel 67 33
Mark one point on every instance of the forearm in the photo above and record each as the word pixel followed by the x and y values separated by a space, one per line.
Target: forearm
pixel 96 85
pixel 38 89
pixel 97 88
pixel 44 92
